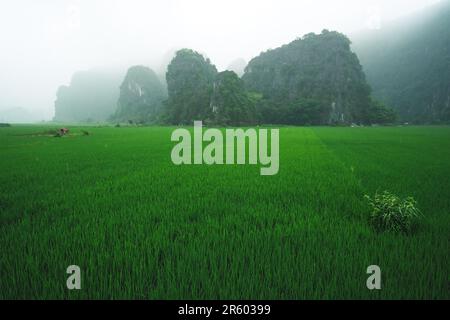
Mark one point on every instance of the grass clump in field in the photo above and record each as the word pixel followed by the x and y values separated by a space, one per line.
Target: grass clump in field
pixel 391 213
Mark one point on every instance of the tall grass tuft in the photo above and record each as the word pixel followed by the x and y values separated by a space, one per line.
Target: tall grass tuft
pixel 391 213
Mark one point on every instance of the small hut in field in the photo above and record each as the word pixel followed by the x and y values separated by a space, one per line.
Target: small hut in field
pixel 63 131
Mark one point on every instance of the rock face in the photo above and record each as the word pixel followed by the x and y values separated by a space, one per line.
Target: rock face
pixel 313 80
pixel 408 64
pixel 91 96
pixel 190 79
pixel 141 96
pixel 198 92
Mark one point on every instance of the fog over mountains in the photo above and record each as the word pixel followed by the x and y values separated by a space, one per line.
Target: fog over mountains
pixel 53 43
pixel 407 64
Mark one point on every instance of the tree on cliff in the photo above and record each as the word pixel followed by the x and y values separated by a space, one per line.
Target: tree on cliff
pixel 231 103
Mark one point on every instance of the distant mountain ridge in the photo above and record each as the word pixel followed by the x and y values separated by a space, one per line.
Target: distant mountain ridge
pixel 91 96
pixel 407 64
pixel 318 79
pixel 18 115
pixel 315 80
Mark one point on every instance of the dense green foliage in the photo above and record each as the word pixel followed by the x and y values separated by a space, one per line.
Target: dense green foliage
pixel 380 114
pixel 315 80
pixel 303 111
pixel 139 227
pixel 141 96
pixel 408 64
pixel 198 92
pixel 231 103
pixel 91 96
pixel 190 79
pixel 391 213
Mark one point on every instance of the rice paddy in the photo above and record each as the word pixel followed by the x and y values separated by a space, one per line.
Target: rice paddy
pixel 112 202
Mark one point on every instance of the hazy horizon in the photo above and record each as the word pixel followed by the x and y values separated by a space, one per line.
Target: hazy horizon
pixel 54 39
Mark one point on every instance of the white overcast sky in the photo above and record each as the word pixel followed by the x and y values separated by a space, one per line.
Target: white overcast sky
pixel 43 42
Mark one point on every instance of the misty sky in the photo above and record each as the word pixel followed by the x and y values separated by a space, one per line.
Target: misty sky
pixel 43 42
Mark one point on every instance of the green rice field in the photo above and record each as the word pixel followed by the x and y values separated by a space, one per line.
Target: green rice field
pixel 113 203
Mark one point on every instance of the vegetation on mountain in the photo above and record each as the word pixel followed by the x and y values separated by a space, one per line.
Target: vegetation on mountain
pixel 231 103
pixel 141 96
pixel 315 79
pixel 190 79
pixel 408 64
